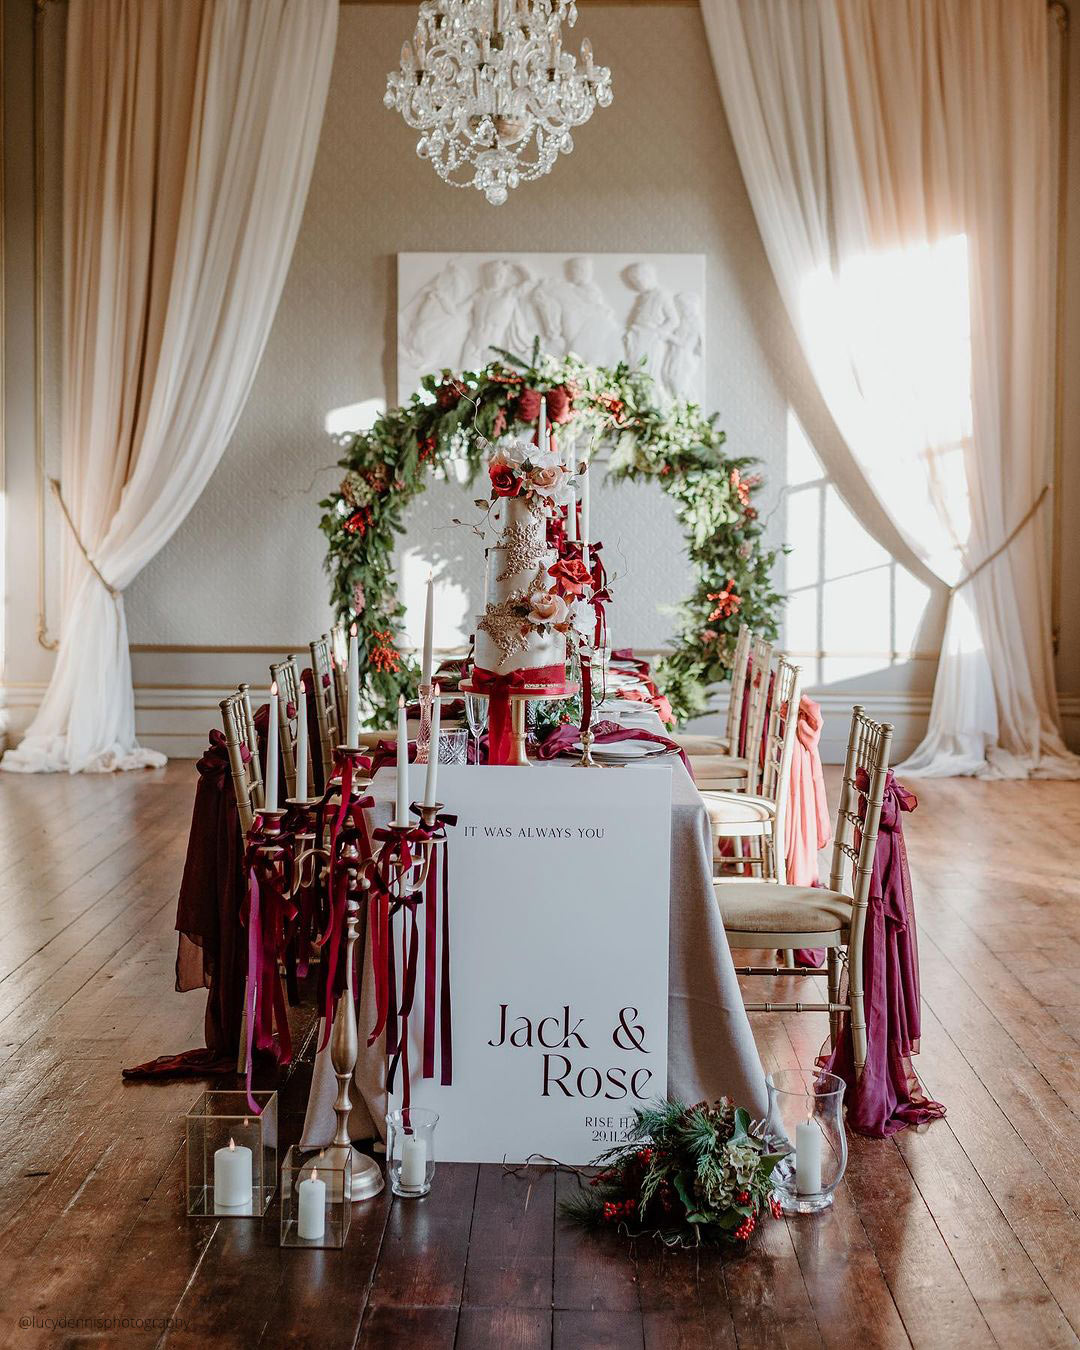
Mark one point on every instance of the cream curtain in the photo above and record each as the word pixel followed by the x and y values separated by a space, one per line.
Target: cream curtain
pixel 897 154
pixel 190 132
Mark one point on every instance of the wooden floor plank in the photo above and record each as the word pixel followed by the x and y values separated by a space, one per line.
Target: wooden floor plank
pixel 964 1235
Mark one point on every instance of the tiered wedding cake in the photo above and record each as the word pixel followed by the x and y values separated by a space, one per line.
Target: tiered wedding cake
pixel 516 631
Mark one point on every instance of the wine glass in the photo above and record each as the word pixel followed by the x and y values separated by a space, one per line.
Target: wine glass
pixel 476 714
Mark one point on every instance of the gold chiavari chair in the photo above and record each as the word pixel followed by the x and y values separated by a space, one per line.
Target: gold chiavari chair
pixel 699 744
pixel 761 817
pixel 732 770
pixel 286 675
pixel 791 917
pixel 326 704
pixel 239 727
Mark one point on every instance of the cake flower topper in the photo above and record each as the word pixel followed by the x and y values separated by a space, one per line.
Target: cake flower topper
pixel 518 468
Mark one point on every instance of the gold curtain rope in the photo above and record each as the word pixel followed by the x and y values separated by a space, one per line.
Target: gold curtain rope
pixel 1028 514
pixel 54 483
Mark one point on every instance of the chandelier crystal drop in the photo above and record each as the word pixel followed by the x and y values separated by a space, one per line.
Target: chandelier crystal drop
pixel 492 92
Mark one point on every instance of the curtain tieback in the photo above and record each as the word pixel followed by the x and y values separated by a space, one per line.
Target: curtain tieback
pixel 55 485
pixel 1014 533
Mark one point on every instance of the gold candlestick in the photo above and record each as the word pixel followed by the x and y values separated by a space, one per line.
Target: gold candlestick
pixel 366 1178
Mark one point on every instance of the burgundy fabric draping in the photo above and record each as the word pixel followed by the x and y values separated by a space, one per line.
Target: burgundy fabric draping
pixel 212 947
pixel 211 952
pixel 568 736
pixel 887 1096
pixel 498 689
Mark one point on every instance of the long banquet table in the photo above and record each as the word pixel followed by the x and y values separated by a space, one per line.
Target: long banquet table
pixel 711 1049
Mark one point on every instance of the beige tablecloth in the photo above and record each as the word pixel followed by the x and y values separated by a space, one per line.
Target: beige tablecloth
pixel 711 1050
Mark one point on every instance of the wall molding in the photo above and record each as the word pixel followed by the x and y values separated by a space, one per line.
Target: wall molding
pixel 175 718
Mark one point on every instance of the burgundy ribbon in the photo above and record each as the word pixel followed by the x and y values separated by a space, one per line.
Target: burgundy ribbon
pixel 567 736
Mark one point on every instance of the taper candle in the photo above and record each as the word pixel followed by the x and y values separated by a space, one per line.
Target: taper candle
pixel 352 696
pixel 586 478
pixel 433 749
pixel 429 624
pixel 270 793
pixel 402 816
pixel 542 426
pixel 301 743
pixel 571 515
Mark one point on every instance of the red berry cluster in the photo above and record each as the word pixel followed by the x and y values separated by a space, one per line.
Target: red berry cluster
pixel 614 1210
pixel 743 1198
pixel 776 1207
pixel 742 1233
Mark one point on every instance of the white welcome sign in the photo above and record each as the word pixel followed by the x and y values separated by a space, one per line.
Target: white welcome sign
pixel 559 945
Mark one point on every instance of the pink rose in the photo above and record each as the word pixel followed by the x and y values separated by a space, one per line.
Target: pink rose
pixel 547 479
pixel 547 607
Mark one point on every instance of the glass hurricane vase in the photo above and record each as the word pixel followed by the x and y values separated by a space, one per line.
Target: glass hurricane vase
pixel 806 1110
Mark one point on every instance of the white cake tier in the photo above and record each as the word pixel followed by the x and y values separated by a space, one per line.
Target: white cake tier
pixel 540 650
pixel 520 557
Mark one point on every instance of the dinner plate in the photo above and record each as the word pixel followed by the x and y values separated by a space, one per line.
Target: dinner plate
pixel 626 750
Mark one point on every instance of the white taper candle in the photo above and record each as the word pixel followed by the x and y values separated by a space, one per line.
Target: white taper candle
pixel 402 816
pixel 542 426
pixel 301 743
pixel 352 697
pixel 270 793
pixel 586 478
pixel 429 624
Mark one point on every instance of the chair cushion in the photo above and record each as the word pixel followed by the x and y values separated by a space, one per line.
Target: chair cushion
pixel 738 808
pixel 760 907
pixel 719 770
pixel 695 744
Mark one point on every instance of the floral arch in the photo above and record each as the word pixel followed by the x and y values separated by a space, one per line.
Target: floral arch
pixel 670 441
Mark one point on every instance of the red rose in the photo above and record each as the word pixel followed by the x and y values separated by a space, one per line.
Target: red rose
pixel 570 575
pixel 560 404
pixel 528 406
pixel 504 481
pixel 448 394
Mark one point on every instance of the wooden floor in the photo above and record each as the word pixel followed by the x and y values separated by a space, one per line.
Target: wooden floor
pixel 965 1235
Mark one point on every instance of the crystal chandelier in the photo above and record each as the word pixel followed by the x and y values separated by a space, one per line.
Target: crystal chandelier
pixel 493 94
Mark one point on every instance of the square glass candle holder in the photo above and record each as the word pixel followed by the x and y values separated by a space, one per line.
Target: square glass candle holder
pixel 315 1209
pixel 231 1155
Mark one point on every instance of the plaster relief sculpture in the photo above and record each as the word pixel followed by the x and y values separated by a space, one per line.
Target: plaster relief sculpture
pixel 606 307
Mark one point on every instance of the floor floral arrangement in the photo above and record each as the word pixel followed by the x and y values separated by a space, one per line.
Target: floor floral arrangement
pixel 458 417
pixel 687 1176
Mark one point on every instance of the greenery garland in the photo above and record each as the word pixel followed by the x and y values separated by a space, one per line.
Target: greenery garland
pixel 452 419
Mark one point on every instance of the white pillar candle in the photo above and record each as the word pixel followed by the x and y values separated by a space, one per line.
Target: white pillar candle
pixel 270 794
pixel 402 816
pixel 571 516
pixel 586 478
pixel 413 1163
pixel 542 427
pixel 433 749
pixel 352 696
pixel 429 624
pixel 808 1141
pixel 311 1211
pixel 232 1176
pixel 301 743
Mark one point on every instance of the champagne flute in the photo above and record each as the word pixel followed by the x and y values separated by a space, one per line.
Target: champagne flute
pixel 476 714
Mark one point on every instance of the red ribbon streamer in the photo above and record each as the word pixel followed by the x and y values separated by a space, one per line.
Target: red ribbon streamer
pixel 498 689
